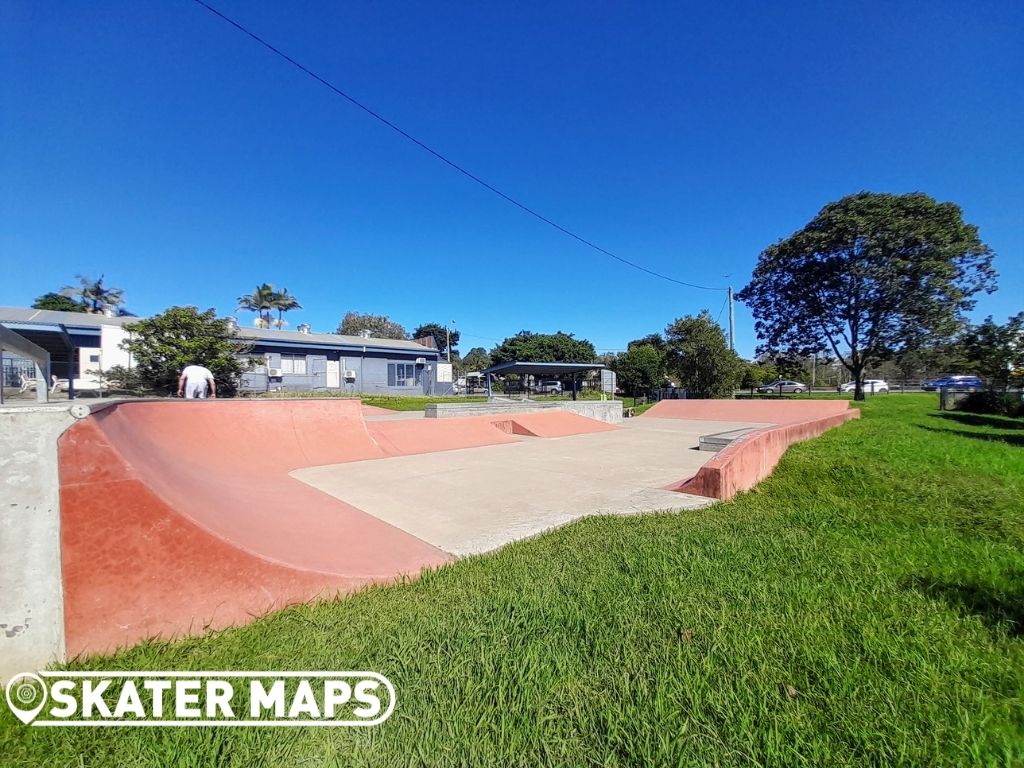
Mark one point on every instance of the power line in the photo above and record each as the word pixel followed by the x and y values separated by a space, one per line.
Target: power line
pixel 443 158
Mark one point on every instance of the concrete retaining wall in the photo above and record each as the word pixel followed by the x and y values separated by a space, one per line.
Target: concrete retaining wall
pixel 608 411
pixel 31 596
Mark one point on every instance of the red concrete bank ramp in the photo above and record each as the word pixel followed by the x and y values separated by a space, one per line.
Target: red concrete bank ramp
pixel 756 411
pixel 181 516
pixel 746 462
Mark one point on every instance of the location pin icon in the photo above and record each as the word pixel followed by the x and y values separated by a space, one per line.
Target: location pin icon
pixel 23 691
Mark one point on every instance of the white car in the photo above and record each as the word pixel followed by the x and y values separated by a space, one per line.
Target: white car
pixel 870 385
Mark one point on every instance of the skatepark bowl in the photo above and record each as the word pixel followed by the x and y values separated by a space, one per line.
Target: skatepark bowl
pixel 178 517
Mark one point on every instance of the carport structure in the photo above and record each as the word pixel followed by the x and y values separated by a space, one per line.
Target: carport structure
pixel 524 368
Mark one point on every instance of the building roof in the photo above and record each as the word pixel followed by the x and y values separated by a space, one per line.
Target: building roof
pixel 37 317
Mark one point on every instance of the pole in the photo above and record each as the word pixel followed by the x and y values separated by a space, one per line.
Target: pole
pixel 732 323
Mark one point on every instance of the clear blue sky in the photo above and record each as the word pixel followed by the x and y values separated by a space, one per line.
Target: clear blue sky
pixel 153 143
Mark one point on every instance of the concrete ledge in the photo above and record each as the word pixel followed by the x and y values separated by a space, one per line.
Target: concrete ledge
pixel 749 460
pixel 608 411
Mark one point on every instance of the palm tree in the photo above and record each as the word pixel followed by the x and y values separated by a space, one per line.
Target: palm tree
pixel 260 301
pixel 93 295
pixel 284 302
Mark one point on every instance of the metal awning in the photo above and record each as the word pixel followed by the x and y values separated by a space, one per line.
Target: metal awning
pixel 540 369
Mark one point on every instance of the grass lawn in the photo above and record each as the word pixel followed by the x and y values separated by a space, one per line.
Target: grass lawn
pixel 863 607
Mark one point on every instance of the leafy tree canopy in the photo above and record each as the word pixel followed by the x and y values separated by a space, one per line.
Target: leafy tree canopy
pixel 996 351
pixel 379 326
pixel 162 345
pixel 652 339
pixel 871 276
pixel 532 347
pixel 699 355
pixel 640 369
pixel 58 302
pixel 440 334
pixel 95 297
pixel 476 359
pixel 264 300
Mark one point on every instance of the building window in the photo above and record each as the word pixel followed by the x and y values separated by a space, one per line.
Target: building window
pixel 294 364
pixel 94 358
pixel 403 374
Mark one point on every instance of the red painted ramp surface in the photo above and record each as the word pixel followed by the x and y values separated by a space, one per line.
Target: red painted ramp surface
pixel 180 516
pixel 763 411
pixel 747 461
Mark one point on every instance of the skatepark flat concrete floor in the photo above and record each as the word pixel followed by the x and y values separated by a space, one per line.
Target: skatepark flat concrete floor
pixel 474 500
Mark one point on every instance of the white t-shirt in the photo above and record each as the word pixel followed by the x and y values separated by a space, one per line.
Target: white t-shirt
pixel 196 374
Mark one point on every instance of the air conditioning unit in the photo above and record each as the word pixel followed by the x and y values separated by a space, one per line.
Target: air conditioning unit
pixel 272 372
pixel 351 375
pixel 421 361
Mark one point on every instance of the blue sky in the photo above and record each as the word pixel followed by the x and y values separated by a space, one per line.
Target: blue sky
pixel 153 143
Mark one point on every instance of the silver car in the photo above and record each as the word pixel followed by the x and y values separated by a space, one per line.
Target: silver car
pixel 783 386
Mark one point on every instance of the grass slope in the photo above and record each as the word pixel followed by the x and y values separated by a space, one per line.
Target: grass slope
pixel 864 606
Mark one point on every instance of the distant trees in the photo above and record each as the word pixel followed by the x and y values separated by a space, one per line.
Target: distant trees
pixel 440 333
pixel 58 302
pixel 379 326
pixel 639 369
pixel 871 276
pixel 476 359
pixel 557 347
pixel 264 300
pixel 162 345
pixel 93 296
pixel 698 354
pixel 996 352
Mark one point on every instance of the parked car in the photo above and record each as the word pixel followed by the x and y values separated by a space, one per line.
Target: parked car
pixel 967 383
pixel 548 387
pixel 783 386
pixel 870 385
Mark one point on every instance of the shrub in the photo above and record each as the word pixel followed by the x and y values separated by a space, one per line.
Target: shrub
pixel 991 402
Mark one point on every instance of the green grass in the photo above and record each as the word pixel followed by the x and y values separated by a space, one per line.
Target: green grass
pixel 863 607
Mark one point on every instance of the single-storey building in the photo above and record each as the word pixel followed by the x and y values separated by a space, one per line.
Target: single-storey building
pixel 81 346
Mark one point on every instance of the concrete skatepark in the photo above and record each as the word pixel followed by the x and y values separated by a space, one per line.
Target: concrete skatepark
pixel 167 518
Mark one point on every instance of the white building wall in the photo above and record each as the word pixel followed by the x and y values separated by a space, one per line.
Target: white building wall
pixel 111 337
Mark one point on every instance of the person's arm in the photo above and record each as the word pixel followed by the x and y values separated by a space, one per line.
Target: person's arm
pixel 181 384
pixel 213 387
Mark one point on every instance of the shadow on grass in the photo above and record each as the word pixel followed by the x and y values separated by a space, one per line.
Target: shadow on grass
pixel 980 420
pixel 988 437
pixel 997 608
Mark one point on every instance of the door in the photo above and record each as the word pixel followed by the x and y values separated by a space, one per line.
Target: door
pixel 334 374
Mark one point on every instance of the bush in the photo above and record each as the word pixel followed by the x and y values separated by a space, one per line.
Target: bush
pixel 990 402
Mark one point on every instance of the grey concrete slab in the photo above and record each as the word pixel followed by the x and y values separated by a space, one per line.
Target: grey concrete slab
pixel 474 500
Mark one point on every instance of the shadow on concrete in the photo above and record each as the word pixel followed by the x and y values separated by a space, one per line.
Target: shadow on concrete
pixel 998 609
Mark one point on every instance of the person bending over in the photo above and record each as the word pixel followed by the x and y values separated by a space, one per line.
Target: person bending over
pixel 193 382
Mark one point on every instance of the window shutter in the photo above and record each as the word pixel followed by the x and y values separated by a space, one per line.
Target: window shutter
pixel 391 374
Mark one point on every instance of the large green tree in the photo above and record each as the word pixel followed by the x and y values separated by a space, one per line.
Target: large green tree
pixel 557 347
pixel 476 359
pixel 283 302
pixel 379 326
pixel 58 302
pixel 639 369
pixel 871 276
pixel 440 333
pixel 162 345
pixel 995 351
pixel 699 355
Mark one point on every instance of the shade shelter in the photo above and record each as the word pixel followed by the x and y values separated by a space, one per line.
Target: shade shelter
pixel 539 369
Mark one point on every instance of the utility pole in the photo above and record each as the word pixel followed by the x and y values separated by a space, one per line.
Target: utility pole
pixel 732 323
pixel 448 337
